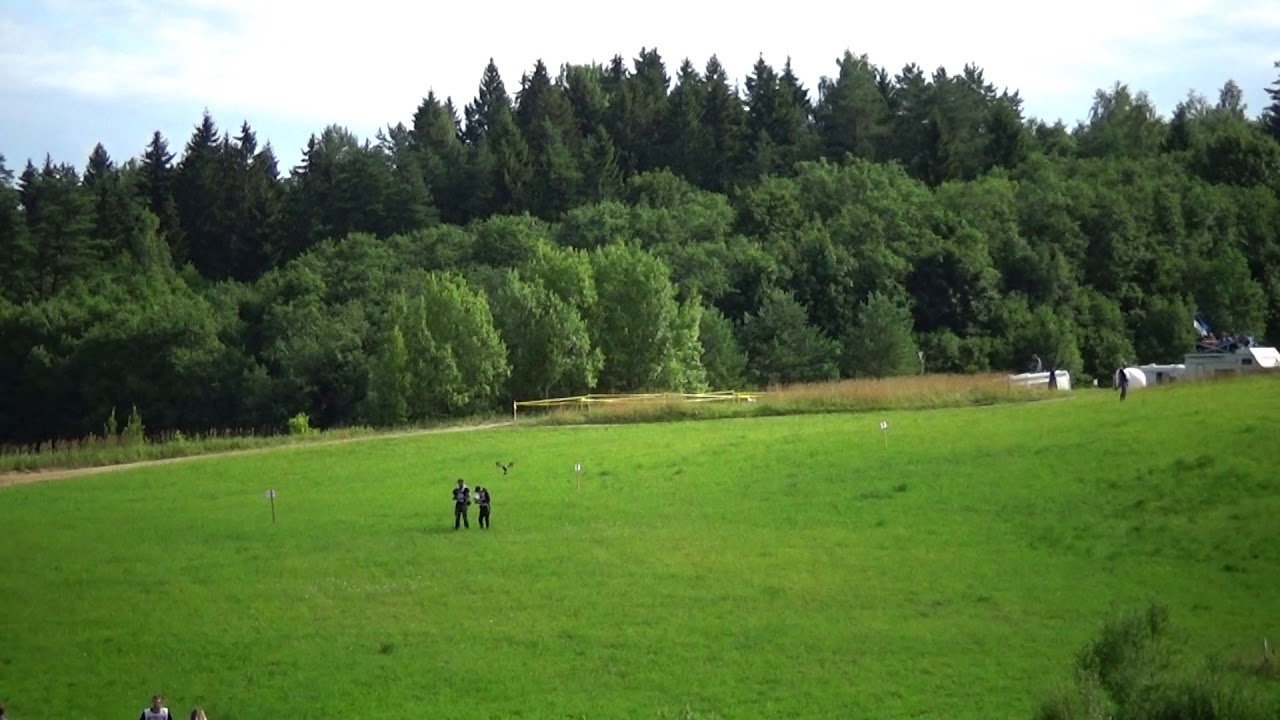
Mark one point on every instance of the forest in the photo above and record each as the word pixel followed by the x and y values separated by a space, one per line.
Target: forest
pixel 612 228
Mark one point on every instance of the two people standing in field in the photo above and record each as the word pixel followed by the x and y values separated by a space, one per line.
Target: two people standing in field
pixel 462 504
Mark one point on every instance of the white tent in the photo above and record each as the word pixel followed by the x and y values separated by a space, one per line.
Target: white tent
pixel 1267 358
pixel 1137 378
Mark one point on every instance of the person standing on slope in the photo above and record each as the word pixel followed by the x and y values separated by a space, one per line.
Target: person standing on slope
pixel 461 501
pixel 1122 382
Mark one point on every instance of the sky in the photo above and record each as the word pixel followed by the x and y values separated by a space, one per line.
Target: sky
pixel 77 72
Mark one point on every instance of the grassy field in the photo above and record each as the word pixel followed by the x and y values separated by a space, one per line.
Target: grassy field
pixel 902 393
pixel 771 567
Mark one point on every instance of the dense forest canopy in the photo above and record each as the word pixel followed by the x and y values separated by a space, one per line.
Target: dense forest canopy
pixel 623 227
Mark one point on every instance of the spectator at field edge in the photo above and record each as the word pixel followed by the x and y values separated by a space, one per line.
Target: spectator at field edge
pixel 198 714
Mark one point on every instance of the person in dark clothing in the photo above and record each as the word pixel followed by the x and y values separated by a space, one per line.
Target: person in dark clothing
pixel 1122 382
pixel 1053 379
pixel 461 501
pixel 157 711
pixel 482 499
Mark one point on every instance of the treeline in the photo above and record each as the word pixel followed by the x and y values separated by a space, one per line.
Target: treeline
pixel 614 229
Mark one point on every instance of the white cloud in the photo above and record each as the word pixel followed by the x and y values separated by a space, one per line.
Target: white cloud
pixel 368 64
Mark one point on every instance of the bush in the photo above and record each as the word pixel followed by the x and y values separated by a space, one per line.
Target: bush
pixel 300 424
pixel 1138 669
pixel 111 429
pixel 135 433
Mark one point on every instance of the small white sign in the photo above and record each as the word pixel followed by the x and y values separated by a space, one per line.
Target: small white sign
pixel 884 425
pixel 271 495
pixel 577 467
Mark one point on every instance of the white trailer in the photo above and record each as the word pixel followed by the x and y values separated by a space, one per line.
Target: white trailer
pixel 1241 361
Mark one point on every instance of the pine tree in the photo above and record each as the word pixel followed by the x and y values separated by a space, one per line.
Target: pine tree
pixel 777 120
pixel 637 108
pixel 156 187
pixel 99 167
pixel 490 100
pixel 198 190
pixel 17 253
pixel 852 114
pixel 547 123
pixel 120 224
pixel 442 158
pixel 59 217
pixel 601 176
pixel 1006 145
pixel 879 343
pixel 410 205
pixel 507 154
pixel 585 91
pixel 685 137
pixel 1271 116
pixel 726 122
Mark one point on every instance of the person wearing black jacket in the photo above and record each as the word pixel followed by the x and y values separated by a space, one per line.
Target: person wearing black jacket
pixel 482 499
pixel 461 501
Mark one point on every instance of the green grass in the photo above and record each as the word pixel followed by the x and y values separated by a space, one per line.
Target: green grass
pixel 769 567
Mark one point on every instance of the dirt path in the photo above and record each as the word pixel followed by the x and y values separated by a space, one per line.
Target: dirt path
pixel 22 478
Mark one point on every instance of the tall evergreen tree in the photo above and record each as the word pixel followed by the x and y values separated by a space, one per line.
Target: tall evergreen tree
pixel 410 204
pixel 584 87
pixel 17 254
pixel 1006 144
pixel 504 152
pixel 546 119
pixel 637 109
pixel 601 175
pixel 490 100
pixel 156 184
pixel 1271 115
pixel 726 122
pixel 436 138
pixel 59 217
pixel 684 136
pixel 120 224
pixel 852 114
pixel 198 191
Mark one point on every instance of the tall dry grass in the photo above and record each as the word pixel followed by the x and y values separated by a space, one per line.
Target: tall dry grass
pixel 920 392
pixel 95 450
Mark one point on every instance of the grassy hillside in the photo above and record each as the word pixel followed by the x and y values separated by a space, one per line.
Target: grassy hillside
pixel 770 567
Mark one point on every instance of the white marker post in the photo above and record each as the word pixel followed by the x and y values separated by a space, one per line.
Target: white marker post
pixel 271 495
pixel 884 432
pixel 577 471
